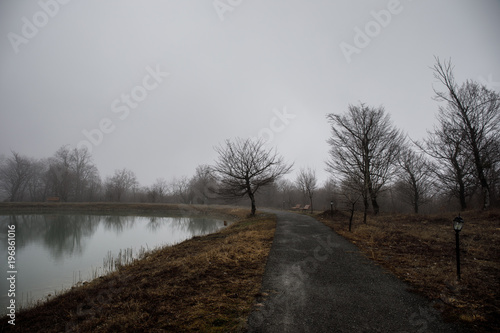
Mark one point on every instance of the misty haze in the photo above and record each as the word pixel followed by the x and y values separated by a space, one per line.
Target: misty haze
pixel 373 123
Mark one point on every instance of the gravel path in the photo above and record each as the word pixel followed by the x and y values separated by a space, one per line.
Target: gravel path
pixel 316 281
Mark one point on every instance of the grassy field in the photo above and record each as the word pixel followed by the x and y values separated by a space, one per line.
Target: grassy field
pixel 204 284
pixel 421 250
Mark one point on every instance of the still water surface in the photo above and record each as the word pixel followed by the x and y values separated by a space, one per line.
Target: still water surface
pixel 55 251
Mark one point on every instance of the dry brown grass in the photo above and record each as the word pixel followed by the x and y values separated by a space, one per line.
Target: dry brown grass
pixel 122 208
pixel 204 284
pixel 421 250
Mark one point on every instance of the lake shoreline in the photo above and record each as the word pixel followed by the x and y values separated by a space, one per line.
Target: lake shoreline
pixel 227 266
pixel 56 249
pixel 116 208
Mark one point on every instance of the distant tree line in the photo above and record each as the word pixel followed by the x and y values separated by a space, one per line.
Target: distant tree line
pixel 372 164
pixel 71 176
pixel 68 174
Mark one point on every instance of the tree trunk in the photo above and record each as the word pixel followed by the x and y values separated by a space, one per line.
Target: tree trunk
pixel 461 185
pixel 376 208
pixel 365 201
pixel 352 215
pixel 478 160
pixel 373 197
pixel 484 186
pixel 252 199
pixel 371 192
pixel 461 194
pixel 486 196
pixel 416 199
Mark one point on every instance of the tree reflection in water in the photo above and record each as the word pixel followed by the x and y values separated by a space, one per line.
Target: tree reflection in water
pixel 52 248
pixel 68 234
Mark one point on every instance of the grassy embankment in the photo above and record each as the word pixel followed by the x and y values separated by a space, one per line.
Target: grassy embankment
pixel 421 251
pixel 204 284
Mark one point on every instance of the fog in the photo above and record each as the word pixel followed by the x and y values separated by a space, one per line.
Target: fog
pixel 153 86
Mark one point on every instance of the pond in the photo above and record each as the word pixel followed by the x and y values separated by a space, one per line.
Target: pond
pixel 56 251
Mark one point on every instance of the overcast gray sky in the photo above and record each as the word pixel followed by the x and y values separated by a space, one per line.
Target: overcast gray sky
pixel 153 86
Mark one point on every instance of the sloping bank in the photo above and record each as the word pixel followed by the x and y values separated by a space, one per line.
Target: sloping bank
pixel 206 283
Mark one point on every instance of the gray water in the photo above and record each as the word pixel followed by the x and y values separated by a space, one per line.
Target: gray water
pixel 55 251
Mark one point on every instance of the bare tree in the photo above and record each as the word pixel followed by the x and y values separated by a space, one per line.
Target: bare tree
pixel 158 191
pixel 181 190
pixel 286 188
pixel 416 183
pixel 93 188
pixel 201 183
pixel 364 147
pixel 473 111
pixel 59 175
pixel 15 174
pixel 493 174
pixel 307 183
pixel 37 184
pixel 244 166
pixel 331 191
pixel 119 184
pixel 454 168
pixel 352 191
pixel 72 175
pixel 84 174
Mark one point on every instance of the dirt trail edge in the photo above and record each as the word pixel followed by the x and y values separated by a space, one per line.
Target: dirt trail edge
pixel 316 281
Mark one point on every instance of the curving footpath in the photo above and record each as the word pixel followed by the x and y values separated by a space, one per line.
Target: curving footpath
pixel 316 281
